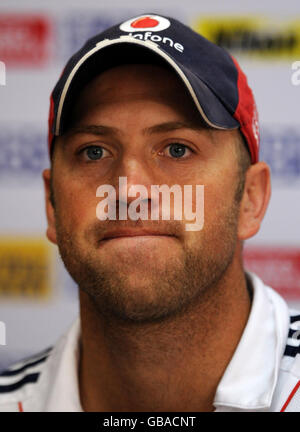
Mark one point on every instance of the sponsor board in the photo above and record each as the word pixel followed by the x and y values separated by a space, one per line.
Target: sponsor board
pixel 253 35
pixel 278 267
pixel 24 39
pixel 25 268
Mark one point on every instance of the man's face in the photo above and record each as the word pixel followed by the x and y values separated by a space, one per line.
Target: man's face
pixel 137 121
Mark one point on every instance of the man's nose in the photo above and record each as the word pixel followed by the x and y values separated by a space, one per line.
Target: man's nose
pixel 133 179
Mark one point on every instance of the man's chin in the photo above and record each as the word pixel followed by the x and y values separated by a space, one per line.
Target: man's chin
pixel 140 259
pixel 140 294
pixel 139 250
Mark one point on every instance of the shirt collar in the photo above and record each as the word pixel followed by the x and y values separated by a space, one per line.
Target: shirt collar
pixel 61 377
pixel 251 376
pixel 247 384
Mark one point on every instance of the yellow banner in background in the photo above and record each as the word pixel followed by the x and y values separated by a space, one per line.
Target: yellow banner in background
pixel 25 268
pixel 254 36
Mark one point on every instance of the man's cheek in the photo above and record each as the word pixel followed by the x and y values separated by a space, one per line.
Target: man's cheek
pixel 75 208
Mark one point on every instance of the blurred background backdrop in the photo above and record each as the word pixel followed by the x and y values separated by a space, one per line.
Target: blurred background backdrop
pixel 38 300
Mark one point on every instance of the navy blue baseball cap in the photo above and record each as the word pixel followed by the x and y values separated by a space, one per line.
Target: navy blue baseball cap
pixel 212 77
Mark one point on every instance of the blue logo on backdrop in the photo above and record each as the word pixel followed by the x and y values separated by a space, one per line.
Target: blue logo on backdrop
pixel 23 153
pixel 281 150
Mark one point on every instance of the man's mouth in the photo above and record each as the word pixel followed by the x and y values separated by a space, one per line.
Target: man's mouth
pixel 134 233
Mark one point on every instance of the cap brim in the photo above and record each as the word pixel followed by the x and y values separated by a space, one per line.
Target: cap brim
pixel 127 49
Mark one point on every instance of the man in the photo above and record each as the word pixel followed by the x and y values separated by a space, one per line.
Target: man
pixel 169 319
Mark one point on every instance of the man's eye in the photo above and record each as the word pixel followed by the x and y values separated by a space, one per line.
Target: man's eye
pixel 94 153
pixel 178 150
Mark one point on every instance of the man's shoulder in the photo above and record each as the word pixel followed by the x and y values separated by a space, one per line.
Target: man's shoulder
pixel 20 380
pixel 44 381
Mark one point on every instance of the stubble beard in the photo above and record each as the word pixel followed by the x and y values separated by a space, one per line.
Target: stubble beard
pixel 165 293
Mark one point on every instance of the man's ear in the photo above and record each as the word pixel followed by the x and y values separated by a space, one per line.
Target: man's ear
pixel 256 196
pixel 51 230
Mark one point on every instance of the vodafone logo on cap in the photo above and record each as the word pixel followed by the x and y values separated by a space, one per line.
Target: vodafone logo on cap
pixel 145 23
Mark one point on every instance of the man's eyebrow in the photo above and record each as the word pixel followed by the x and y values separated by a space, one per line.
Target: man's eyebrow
pixel 171 126
pixel 93 129
pixel 102 130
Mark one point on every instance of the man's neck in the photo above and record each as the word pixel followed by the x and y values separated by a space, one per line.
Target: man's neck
pixel 174 365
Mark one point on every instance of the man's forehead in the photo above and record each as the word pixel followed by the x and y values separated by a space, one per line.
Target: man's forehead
pixel 137 83
pixel 136 78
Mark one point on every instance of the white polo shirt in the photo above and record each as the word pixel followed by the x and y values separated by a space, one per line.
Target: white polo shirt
pixel 263 374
